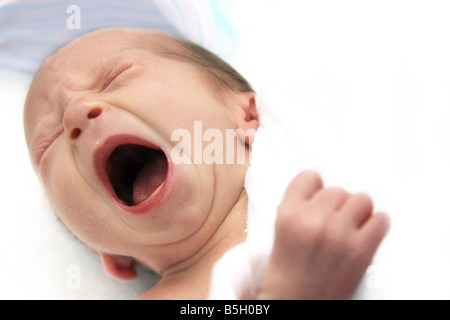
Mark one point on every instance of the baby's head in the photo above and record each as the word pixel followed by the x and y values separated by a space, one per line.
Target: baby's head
pixel 104 121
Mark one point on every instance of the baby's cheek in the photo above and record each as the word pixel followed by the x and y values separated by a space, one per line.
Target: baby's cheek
pixel 79 209
pixel 66 190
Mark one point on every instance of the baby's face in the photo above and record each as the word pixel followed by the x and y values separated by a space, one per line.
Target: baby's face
pixel 99 120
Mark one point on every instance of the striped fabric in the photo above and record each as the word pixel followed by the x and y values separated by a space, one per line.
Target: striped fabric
pixel 30 30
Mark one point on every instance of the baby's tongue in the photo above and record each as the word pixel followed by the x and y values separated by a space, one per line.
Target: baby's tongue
pixel 150 177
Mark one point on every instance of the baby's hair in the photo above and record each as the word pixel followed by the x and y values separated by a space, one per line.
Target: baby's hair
pixel 221 74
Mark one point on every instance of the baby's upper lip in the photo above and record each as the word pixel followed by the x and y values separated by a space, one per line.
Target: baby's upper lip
pixel 103 151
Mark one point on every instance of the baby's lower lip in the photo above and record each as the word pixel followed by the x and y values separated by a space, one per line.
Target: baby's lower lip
pixel 100 159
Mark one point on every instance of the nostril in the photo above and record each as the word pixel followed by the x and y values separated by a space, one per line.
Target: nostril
pixel 94 113
pixel 75 133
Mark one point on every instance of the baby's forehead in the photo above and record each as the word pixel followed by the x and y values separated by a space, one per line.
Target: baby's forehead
pixel 84 55
pixel 89 49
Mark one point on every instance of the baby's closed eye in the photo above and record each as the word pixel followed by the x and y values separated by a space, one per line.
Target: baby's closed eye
pixel 113 74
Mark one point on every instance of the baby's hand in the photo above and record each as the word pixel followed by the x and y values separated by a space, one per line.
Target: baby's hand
pixel 325 240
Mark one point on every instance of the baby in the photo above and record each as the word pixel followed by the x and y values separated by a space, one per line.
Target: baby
pixel 99 121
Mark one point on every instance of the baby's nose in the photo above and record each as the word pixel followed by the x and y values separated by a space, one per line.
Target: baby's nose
pixel 78 116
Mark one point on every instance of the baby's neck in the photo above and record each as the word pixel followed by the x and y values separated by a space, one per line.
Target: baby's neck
pixel 190 278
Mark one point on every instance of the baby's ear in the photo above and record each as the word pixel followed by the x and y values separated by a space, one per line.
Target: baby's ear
pixel 119 267
pixel 243 108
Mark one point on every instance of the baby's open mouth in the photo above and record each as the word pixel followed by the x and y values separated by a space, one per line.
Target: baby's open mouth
pixel 136 172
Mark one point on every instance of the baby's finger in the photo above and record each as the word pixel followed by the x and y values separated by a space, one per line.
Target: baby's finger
pixel 357 209
pixel 332 198
pixel 373 231
pixel 303 186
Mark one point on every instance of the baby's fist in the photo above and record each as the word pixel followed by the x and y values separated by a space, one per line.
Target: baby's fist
pixel 325 239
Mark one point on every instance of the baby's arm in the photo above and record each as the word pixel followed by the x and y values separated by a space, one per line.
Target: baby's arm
pixel 325 240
